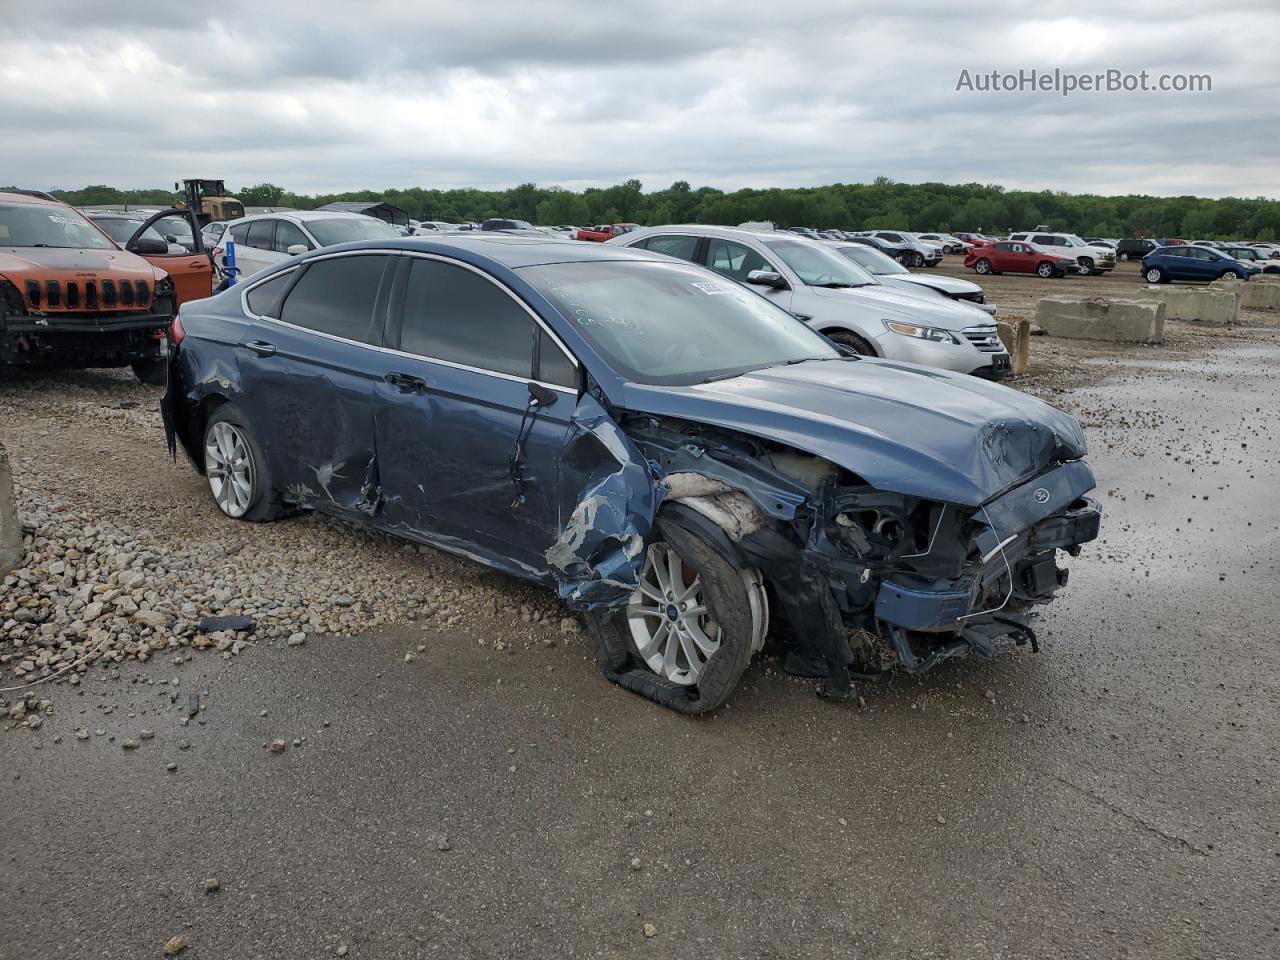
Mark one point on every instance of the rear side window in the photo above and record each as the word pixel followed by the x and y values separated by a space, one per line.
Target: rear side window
pixel 264 299
pixel 336 297
pixel 682 247
pixel 451 313
pixel 260 232
pixel 240 234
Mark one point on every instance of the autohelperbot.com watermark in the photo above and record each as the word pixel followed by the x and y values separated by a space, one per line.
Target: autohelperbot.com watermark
pixel 1065 82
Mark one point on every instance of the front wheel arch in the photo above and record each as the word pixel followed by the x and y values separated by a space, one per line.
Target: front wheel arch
pixel 854 341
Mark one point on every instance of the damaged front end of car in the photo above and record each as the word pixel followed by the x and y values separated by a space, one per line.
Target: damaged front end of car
pixel 860 579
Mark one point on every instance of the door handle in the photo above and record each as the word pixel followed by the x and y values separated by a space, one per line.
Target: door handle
pixel 197 263
pixel 260 347
pixel 406 383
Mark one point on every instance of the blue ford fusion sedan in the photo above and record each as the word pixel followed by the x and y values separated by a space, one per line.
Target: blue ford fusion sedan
pixel 691 466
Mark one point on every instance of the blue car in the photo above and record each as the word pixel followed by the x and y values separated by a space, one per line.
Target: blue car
pixel 1192 262
pixel 688 464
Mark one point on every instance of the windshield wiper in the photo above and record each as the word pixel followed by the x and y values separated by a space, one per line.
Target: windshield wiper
pixel 835 285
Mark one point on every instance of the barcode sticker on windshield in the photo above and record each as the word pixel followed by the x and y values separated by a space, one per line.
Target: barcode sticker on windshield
pixel 68 221
pixel 711 287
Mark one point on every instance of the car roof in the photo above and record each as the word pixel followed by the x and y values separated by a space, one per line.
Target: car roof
pixel 706 230
pixel 507 250
pixel 28 198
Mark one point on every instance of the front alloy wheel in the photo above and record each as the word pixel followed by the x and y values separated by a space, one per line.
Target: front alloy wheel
pixel 670 625
pixel 230 468
pixel 1045 270
pixel 1155 275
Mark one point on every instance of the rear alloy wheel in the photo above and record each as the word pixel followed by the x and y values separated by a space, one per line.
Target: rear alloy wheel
pixel 236 469
pixel 1045 270
pixel 1155 275
pixel 853 342
pixel 982 266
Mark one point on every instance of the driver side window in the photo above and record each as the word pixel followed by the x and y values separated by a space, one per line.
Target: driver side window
pixel 734 260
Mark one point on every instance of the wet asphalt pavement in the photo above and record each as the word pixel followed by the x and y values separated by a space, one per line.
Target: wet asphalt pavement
pixel 1116 798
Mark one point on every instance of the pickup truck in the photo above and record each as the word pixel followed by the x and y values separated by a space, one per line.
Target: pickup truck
pixel 605 231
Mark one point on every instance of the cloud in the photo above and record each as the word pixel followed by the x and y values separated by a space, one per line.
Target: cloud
pixel 324 96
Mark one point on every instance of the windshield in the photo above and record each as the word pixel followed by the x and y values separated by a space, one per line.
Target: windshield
pixel 819 266
pixel 670 324
pixel 347 229
pixel 873 261
pixel 48 225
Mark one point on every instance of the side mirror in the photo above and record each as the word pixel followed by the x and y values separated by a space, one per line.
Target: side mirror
pixel 294 249
pixel 767 278
pixel 540 396
pixel 149 246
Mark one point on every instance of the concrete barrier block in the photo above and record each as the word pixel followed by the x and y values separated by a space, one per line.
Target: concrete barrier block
pixel 1198 304
pixel 1015 334
pixel 1260 293
pixel 1102 318
pixel 10 531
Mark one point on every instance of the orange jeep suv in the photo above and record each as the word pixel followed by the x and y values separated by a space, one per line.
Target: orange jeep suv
pixel 69 296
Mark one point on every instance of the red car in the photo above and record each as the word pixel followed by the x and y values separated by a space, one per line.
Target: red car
pixel 1011 256
pixel 606 231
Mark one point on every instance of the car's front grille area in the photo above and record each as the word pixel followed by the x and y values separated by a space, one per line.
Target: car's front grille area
pixel 984 337
pixel 105 294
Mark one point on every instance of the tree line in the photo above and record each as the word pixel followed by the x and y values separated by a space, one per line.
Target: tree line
pixel 847 206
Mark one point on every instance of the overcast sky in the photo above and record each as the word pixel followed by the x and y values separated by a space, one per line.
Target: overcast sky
pixel 327 95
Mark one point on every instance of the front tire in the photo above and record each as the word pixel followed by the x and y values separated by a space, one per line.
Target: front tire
pixel 854 342
pixel 1229 275
pixel 1155 275
pixel 1086 265
pixel 687 634
pixel 1045 270
pixel 237 470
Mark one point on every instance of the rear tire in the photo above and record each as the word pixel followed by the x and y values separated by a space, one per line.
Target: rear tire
pixel 983 266
pixel 854 342
pixel 150 371
pixel 736 615
pixel 236 468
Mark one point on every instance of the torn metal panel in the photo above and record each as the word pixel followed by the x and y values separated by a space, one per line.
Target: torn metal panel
pixel 598 556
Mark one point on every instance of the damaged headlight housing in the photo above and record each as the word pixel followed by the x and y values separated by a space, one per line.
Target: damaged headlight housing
pixel 932 334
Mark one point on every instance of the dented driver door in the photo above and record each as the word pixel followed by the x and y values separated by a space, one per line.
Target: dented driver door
pixel 466 459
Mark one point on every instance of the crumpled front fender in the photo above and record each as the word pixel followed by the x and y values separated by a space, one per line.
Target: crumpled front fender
pixel 598 557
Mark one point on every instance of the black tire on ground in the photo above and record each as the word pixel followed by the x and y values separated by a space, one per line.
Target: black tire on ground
pixel 983 266
pixel 1045 270
pixel 1123 256
pixel 150 371
pixel 727 602
pixel 1155 275
pixel 854 342
pixel 264 501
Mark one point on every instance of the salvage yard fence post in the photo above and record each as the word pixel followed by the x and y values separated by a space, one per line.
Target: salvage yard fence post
pixel 10 531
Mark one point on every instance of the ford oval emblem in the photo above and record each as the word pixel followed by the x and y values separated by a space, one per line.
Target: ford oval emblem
pixel 1040 495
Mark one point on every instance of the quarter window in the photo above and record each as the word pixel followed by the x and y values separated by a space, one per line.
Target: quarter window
pixel 454 314
pixel 336 297
pixel 264 299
